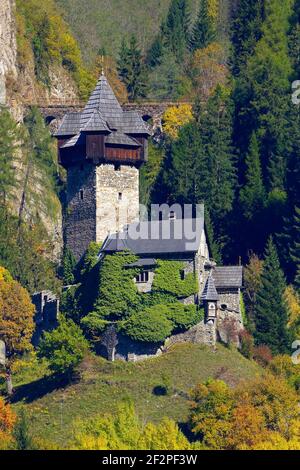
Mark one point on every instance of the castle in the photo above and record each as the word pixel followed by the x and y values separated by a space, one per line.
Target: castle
pixel 102 149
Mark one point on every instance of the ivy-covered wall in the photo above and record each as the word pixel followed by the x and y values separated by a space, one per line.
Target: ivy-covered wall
pixel 150 317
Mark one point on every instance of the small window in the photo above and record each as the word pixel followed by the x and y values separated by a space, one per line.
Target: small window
pixel 182 275
pixel 143 277
pixel 120 196
pixel 81 194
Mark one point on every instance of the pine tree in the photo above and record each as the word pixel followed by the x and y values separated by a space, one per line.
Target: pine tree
pixel 204 31
pixel 246 31
pixel 68 267
pixel 295 248
pixel 8 147
pixel 132 70
pixel 22 433
pixel 271 314
pixel 155 52
pixel 252 195
pixel 175 30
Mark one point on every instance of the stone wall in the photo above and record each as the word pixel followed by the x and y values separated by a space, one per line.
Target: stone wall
pixel 117 193
pixel 80 223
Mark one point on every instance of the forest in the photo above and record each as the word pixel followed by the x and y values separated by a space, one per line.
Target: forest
pixel 232 142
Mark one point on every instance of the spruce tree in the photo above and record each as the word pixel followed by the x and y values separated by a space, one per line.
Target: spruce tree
pixel 246 31
pixel 204 31
pixel 175 30
pixel 132 70
pixel 68 267
pixel 271 314
pixel 252 195
pixel 295 248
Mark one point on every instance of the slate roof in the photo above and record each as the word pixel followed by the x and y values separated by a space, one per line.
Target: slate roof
pixel 96 123
pixel 228 276
pixel 104 113
pixel 166 237
pixel 70 125
pixel 143 262
pixel 118 138
pixel 210 291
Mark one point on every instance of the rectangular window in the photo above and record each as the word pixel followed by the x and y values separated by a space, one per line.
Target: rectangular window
pixel 81 194
pixel 143 277
pixel 120 196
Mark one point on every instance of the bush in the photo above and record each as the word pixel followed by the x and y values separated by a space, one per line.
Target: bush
pixel 64 348
pixel 262 355
pixel 247 344
pixel 168 280
pixel 183 316
pixel 150 325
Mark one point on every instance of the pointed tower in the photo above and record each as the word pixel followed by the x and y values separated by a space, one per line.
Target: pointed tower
pixel 210 299
pixel 102 149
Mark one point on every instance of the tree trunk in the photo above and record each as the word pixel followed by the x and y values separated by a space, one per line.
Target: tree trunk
pixel 9 383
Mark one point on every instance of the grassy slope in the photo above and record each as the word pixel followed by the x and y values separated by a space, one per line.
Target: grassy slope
pixel 104 384
pixel 103 23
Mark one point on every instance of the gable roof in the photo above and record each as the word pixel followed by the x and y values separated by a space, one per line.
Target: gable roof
pixel 165 237
pixel 210 291
pixel 228 276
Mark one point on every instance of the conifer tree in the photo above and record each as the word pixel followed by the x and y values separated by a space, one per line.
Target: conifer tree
pixel 295 248
pixel 8 147
pixel 246 31
pixel 175 29
pixel 271 314
pixel 204 31
pixel 252 195
pixel 68 267
pixel 132 69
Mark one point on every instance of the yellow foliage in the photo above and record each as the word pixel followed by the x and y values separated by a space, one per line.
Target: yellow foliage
pixel 176 117
pixel 293 303
pixel 208 70
pixel 16 317
pixel 213 9
pixel 5 275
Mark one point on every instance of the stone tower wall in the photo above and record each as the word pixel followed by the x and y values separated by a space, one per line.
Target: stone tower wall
pixel 100 200
pixel 80 223
pixel 117 195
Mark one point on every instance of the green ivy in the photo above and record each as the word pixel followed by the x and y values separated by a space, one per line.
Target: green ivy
pixel 118 295
pixel 168 280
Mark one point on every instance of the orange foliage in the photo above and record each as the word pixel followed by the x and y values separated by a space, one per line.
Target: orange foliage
pixel 109 67
pixel 7 421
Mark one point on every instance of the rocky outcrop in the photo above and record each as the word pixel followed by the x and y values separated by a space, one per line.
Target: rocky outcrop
pixel 8 46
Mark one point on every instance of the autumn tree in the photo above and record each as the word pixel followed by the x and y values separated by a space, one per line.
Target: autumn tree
pixel 7 422
pixel 175 117
pixel 16 322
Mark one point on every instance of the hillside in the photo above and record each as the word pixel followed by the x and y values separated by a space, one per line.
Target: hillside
pixel 103 385
pixel 101 24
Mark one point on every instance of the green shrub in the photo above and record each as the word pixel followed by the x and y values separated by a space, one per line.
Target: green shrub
pixel 183 316
pixel 151 325
pixel 94 325
pixel 64 348
pixel 167 279
pixel 118 295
